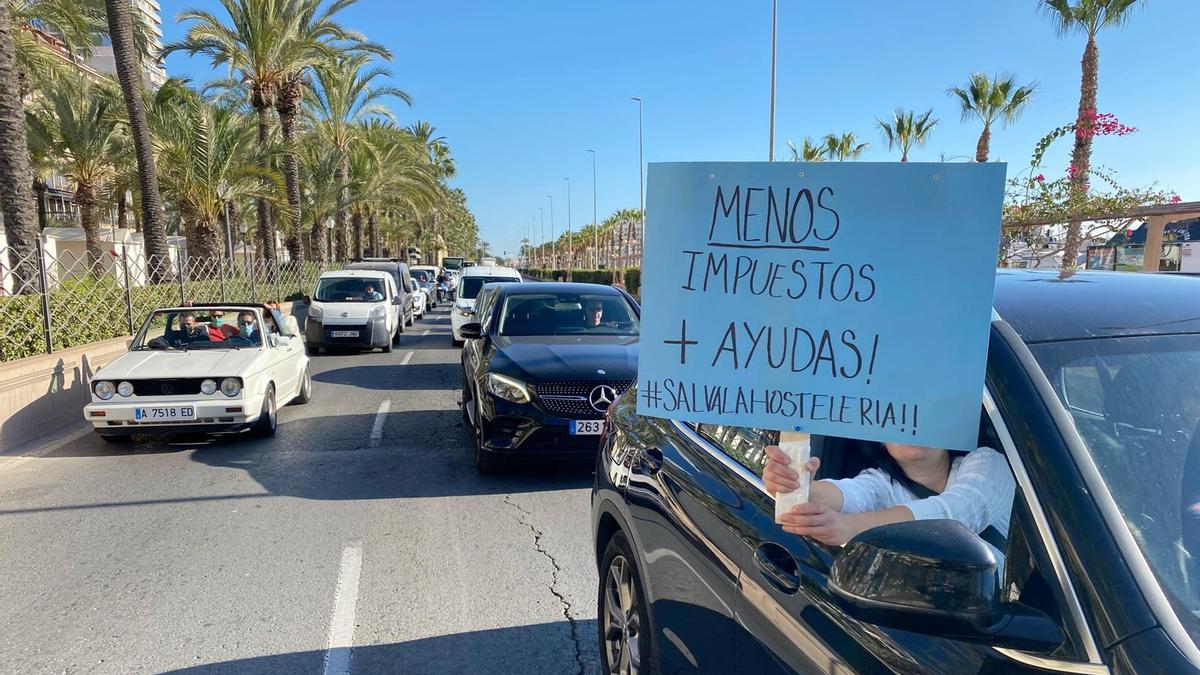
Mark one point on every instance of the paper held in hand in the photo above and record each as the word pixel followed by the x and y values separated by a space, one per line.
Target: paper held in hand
pixel 795 445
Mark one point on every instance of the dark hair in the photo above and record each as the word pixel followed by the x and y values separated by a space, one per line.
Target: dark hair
pixel 878 455
pixel 184 315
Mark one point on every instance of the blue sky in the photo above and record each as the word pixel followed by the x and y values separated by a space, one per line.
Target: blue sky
pixel 522 89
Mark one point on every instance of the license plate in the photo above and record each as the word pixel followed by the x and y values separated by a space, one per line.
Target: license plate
pixel 587 427
pixel 344 333
pixel 166 413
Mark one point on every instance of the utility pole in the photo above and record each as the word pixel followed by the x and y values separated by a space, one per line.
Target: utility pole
pixel 641 175
pixel 595 222
pixel 542 244
pixel 570 243
pixel 553 239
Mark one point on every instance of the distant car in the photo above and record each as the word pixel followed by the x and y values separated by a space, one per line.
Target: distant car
pixel 541 366
pixel 404 285
pixel 208 368
pixel 1092 397
pixel 473 279
pixel 425 284
pixel 354 309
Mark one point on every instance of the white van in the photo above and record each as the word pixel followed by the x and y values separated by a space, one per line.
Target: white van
pixel 354 309
pixel 473 279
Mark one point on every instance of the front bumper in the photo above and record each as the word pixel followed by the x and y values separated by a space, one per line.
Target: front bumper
pixel 373 333
pixel 213 415
pixel 527 430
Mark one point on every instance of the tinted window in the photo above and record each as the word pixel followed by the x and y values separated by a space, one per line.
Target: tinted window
pixel 348 289
pixel 745 445
pixel 391 268
pixel 567 314
pixel 469 288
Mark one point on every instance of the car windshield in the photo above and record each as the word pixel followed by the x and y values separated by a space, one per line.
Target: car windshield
pixel 349 289
pixel 1137 412
pixel 469 287
pixel 567 314
pixel 200 328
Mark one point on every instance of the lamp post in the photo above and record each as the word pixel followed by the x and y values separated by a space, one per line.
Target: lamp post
pixel 595 223
pixel 223 193
pixel 553 241
pixel 542 240
pixel 244 229
pixel 329 237
pixel 570 243
pixel 641 175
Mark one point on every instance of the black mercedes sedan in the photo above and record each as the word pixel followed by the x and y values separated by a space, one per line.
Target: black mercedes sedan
pixel 1091 393
pixel 541 366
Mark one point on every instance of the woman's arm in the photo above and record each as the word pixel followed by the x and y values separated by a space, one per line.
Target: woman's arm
pixel 980 492
pixel 834 528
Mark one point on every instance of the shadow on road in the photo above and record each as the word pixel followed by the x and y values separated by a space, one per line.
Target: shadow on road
pixel 539 648
pixel 395 377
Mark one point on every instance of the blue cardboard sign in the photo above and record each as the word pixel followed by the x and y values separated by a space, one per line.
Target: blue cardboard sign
pixel 846 299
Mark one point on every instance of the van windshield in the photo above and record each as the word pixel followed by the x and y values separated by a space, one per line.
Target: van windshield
pixel 349 289
pixel 1138 418
pixel 469 288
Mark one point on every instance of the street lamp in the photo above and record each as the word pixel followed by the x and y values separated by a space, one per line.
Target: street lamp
pixel 641 175
pixel 595 223
pixel 542 241
pixel 553 241
pixel 223 193
pixel 329 236
pixel 244 229
pixel 570 243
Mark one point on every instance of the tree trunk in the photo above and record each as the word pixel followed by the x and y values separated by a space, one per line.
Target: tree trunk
pixel 343 199
pixel 129 73
pixel 320 241
pixel 982 147
pixel 288 107
pixel 1081 155
pixel 340 243
pixel 373 234
pixel 85 199
pixel 39 191
pixel 122 213
pixel 266 228
pixel 356 226
pixel 15 173
pixel 205 243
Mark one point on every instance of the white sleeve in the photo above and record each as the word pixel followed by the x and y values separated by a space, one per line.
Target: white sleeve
pixel 870 490
pixel 980 493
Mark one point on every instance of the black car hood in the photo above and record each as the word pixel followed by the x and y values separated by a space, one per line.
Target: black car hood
pixel 567 357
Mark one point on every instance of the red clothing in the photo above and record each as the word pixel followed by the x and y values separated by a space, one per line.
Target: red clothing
pixel 222 332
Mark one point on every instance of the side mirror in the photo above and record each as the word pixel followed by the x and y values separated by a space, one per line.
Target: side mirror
pixel 398 300
pixel 935 577
pixel 471 331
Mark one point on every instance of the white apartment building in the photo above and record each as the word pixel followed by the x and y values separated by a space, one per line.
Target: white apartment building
pixel 102 53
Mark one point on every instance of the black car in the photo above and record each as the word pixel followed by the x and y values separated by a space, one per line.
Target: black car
pixel 1091 393
pixel 404 284
pixel 542 365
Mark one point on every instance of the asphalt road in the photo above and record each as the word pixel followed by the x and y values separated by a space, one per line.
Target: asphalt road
pixel 325 549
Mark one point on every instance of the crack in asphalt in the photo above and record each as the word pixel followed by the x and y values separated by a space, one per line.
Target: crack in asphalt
pixel 553 586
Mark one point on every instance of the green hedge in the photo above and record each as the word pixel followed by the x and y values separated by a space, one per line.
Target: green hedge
pixel 633 276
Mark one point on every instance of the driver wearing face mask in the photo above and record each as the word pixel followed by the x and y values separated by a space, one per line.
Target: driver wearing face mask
pixel 249 328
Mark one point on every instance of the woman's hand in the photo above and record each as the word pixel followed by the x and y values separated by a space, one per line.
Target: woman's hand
pixel 818 521
pixel 779 477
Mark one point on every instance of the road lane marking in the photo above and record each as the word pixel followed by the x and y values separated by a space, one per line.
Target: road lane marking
pixel 345 599
pixel 407 357
pixel 425 333
pixel 380 417
pixel 12 461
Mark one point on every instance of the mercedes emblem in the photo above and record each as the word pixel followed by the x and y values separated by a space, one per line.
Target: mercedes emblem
pixel 602 397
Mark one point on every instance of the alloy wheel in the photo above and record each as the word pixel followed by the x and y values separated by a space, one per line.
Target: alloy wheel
pixel 622 620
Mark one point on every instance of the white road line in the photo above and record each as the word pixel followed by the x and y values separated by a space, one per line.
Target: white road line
pixel 380 417
pixel 345 599
pixel 425 333
pixel 407 357
pixel 15 460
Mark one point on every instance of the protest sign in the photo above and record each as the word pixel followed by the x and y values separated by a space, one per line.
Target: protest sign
pixel 846 299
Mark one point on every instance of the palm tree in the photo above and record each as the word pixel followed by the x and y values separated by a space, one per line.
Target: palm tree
pixel 1087 17
pixel 129 74
pixel 20 225
pixel 73 121
pixel 345 95
pixel 844 147
pixel 990 99
pixel 907 130
pixel 810 151
pixel 319 164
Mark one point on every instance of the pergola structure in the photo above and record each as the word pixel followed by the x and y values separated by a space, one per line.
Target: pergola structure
pixel 1157 217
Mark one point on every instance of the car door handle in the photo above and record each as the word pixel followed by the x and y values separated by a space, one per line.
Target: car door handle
pixel 778 567
pixel 649 460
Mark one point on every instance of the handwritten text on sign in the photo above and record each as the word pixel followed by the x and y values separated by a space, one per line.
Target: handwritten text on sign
pixel 848 299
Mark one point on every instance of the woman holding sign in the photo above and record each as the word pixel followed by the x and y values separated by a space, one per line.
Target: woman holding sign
pixel 909 482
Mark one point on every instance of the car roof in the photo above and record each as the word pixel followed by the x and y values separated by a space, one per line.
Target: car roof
pixel 490 271
pixel 365 273
pixel 214 305
pixel 1042 307
pixel 555 287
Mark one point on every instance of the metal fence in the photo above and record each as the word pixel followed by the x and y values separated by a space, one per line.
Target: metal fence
pixel 55 299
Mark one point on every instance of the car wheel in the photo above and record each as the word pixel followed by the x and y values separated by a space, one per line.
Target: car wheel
pixel 387 347
pixel 312 350
pixel 466 401
pixel 624 625
pixel 305 394
pixel 410 318
pixel 400 324
pixel 486 463
pixel 268 420
pixel 116 438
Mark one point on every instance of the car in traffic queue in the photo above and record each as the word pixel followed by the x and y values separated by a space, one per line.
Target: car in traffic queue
pixel 425 287
pixel 473 279
pixel 203 368
pixel 354 310
pixel 405 287
pixel 1091 395
pixel 542 364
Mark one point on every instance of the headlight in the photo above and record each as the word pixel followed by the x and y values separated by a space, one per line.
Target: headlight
pixel 125 389
pixel 230 386
pixel 104 390
pixel 465 311
pixel 208 386
pixel 378 312
pixel 507 388
pixel 315 312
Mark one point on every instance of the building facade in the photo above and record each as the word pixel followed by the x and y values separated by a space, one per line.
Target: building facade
pixel 153 73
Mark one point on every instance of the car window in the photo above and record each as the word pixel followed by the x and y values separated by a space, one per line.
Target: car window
pixel 567 313
pixel 347 289
pixel 484 308
pixel 199 328
pixel 469 288
pixel 745 445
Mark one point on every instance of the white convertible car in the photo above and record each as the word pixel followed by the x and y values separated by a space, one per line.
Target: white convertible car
pixel 207 369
